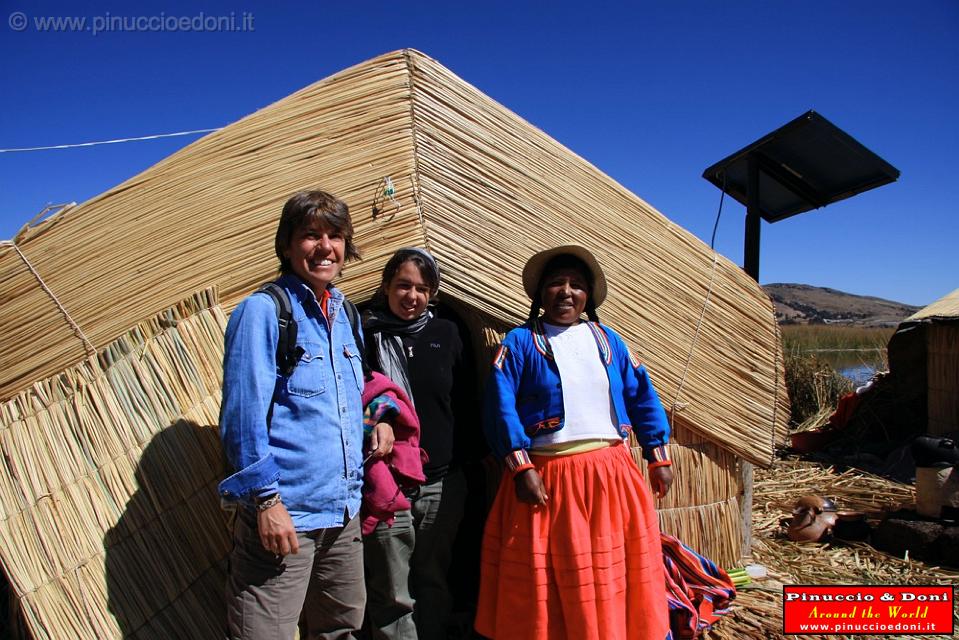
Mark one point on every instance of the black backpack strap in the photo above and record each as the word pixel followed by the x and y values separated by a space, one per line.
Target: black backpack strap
pixel 287 353
pixel 354 316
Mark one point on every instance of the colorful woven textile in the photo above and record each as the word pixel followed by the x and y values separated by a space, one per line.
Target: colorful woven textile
pixel 698 591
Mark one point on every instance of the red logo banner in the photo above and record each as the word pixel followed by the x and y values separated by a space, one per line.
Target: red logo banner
pixel 873 609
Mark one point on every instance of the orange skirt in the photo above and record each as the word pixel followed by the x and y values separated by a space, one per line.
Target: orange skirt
pixel 588 565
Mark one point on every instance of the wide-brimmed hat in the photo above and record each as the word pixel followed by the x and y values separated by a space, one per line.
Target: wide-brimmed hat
pixel 533 271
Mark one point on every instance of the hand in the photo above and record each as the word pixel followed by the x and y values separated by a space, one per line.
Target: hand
pixel 530 487
pixel 661 478
pixel 381 440
pixel 277 534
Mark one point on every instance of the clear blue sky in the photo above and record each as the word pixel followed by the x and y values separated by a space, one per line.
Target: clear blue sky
pixel 650 92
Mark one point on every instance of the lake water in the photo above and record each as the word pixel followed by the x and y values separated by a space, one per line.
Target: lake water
pixel 858 366
pixel 859 374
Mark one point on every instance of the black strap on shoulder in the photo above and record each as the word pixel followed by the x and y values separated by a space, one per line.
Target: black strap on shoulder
pixel 353 314
pixel 287 353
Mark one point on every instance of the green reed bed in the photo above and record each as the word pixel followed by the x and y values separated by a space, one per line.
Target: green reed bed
pixel 814 388
pixel 837 347
pixel 814 355
pixel 826 337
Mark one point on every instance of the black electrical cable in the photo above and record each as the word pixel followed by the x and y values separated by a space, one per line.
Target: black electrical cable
pixel 712 240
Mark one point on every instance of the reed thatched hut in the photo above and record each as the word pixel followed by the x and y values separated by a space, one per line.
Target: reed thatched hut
pixel 110 358
pixel 924 358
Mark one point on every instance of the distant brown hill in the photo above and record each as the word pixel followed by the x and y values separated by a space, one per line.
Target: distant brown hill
pixel 804 304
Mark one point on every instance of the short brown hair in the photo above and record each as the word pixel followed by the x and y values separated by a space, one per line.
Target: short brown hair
pixel 305 208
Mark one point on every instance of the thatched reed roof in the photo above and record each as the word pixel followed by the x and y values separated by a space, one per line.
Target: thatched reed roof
pixel 476 184
pixel 924 353
pixel 945 308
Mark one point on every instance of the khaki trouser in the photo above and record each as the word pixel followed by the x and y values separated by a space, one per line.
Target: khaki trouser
pixel 406 564
pixel 321 587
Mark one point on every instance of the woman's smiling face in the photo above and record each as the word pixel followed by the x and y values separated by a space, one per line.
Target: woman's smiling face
pixel 408 292
pixel 316 253
pixel 564 293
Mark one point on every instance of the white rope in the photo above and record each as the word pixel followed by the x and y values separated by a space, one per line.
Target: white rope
pixel 677 405
pixel 93 144
pixel 87 345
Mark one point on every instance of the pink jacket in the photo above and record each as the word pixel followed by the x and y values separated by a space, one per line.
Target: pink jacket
pixel 385 478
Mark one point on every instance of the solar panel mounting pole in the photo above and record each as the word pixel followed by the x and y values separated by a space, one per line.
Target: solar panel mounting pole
pixel 807 163
pixel 753 220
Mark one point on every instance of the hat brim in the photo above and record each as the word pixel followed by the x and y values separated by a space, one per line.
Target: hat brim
pixel 533 271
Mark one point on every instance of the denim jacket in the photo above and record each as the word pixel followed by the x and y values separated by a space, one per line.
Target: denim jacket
pixel 524 395
pixel 300 435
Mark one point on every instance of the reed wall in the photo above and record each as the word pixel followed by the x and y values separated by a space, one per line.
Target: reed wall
pixel 110 524
pixel 942 376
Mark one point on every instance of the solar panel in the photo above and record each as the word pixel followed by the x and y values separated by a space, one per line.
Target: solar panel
pixel 804 165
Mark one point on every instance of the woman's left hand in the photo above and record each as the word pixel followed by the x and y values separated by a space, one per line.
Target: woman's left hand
pixel 530 488
pixel 381 440
pixel 661 478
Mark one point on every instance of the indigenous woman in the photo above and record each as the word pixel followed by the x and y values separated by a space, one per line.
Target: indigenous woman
pixel 407 563
pixel 572 546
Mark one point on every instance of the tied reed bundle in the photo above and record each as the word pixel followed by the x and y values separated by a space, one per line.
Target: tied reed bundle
pixel 110 523
pixel 714 530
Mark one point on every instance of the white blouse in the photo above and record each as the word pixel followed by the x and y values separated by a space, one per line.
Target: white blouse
pixel 588 409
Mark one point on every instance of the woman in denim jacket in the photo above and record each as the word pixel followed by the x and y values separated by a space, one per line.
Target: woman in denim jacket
pixel 572 545
pixel 294 442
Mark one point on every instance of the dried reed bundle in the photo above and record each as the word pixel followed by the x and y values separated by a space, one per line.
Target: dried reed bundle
pixel 714 530
pixel 756 615
pixel 854 490
pixel 473 182
pixel 757 612
pixel 702 474
pixel 110 523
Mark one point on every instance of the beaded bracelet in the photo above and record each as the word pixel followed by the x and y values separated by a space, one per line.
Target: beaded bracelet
pixel 268 502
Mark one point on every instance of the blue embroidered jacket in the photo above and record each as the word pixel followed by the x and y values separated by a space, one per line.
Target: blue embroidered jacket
pixel 524 395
